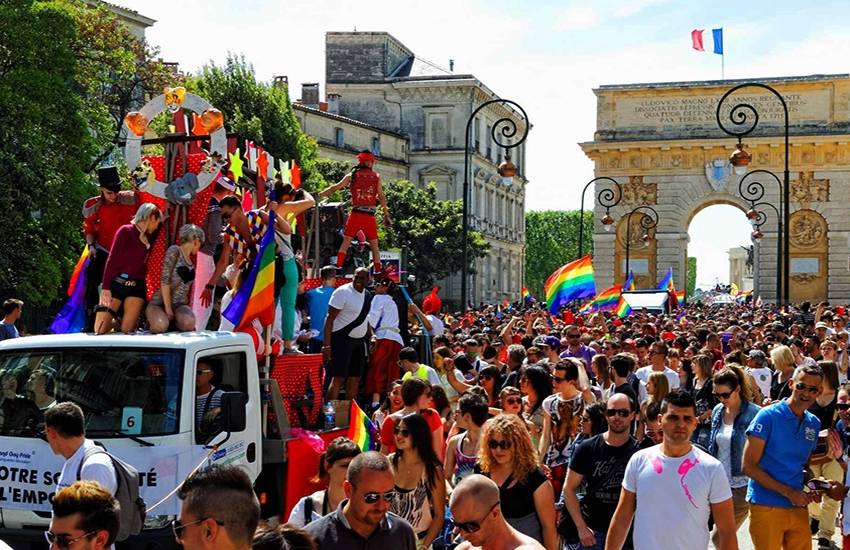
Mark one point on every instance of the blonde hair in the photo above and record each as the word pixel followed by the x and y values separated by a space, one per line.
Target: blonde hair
pixel 190 232
pixel 145 211
pixel 513 429
pixel 781 357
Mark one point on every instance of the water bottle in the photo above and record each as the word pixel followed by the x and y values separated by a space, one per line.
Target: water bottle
pixel 330 416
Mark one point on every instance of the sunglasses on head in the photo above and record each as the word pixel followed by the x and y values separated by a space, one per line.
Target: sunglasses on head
pixel 504 444
pixel 473 526
pixel 64 541
pixel 372 498
pixel 622 413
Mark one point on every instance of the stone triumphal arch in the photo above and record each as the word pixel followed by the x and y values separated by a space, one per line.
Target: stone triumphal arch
pixel 661 142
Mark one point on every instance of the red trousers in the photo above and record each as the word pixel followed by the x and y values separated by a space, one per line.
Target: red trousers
pixel 383 366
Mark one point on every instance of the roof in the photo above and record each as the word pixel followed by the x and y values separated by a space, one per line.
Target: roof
pixel 127 13
pixel 419 67
pixel 167 340
pixel 701 83
pixel 345 119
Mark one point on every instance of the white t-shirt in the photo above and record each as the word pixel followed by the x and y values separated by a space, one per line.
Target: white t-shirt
pixel 437 326
pixel 762 376
pixel 349 302
pixel 643 373
pixel 98 468
pixel 385 310
pixel 674 497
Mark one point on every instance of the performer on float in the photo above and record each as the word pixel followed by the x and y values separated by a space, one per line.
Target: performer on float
pixel 366 192
pixel 102 216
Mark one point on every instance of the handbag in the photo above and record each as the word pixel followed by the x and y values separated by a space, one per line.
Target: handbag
pixel 829 442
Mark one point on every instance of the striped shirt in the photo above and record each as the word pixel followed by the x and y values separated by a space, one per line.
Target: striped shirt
pixel 239 244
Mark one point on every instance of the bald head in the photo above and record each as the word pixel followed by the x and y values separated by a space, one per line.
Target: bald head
pixel 476 489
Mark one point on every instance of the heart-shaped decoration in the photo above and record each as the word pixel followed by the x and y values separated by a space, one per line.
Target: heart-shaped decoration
pixel 212 119
pixel 136 122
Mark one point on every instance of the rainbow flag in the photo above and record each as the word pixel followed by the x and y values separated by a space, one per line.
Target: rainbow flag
pixel 608 298
pixel 570 282
pixel 361 430
pixel 72 316
pixel 680 297
pixel 667 282
pixel 255 300
pixel 623 309
pixel 586 308
pixel 525 295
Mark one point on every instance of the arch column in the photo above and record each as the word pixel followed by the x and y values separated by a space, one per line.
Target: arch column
pixel 672 252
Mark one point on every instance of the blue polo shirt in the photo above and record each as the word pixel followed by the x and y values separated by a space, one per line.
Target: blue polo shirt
pixel 789 441
pixel 317 305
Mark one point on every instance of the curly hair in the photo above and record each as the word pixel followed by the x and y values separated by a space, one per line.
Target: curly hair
pixel 512 428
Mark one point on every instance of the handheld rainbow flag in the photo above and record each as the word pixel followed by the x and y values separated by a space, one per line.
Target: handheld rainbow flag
pixel 72 316
pixel 361 430
pixel 667 282
pixel 623 309
pixel 680 297
pixel 525 295
pixel 255 300
pixel 586 308
pixel 608 298
pixel 570 282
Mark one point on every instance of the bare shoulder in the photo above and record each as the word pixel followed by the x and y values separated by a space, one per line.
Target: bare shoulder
pixel 527 543
pixel 465 545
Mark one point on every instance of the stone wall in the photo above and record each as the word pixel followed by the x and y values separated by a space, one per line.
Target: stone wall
pixel 362 56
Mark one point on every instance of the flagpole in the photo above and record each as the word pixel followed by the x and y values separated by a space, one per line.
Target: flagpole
pixel 265 375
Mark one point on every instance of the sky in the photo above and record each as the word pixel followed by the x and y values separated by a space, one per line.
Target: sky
pixel 547 55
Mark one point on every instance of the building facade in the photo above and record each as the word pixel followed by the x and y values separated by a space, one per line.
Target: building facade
pixel 662 143
pixel 376 80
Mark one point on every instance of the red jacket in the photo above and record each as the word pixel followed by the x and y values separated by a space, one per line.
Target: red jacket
pixel 102 219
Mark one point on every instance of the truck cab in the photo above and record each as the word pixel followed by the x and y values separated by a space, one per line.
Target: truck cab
pixel 139 396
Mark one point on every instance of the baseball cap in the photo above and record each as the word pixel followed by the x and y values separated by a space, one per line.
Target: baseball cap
pixel 552 342
pixel 539 341
pixel 821 324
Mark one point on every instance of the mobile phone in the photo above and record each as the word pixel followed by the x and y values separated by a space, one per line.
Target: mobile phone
pixel 818 485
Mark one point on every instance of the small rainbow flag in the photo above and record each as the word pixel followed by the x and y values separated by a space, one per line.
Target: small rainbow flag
pixel 525 295
pixel 255 300
pixel 608 298
pixel 623 308
pixel 586 308
pixel 361 430
pixel 680 297
pixel 570 282
pixel 667 282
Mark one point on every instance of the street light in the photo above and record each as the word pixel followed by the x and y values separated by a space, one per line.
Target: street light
pixel 739 115
pixel 752 190
pixel 648 221
pixel 505 128
pixel 607 198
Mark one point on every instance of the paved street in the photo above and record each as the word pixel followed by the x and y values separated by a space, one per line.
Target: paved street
pixel 744 542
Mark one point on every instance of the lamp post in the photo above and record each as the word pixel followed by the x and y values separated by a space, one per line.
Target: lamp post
pixel 752 190
pixel 505 128
pixel 739 116
pixel 608 198
pixel 648 221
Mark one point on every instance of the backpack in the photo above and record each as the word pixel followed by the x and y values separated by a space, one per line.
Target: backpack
pixel 133 508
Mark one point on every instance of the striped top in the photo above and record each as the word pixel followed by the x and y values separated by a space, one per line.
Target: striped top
pixel 239 244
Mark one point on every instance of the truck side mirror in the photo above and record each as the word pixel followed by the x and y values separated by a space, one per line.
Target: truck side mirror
pixel 233 411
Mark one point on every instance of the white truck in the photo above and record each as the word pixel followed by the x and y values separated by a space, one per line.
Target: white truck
pixel 138 393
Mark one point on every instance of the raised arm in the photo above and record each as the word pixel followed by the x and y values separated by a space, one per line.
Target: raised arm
pixel 343 183
pixel 297 207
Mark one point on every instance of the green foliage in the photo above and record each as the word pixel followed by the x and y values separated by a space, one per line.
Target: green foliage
pixel 68 74
pixel 430 230
pixel 551 240
pixel 332 171
pixel 691 277
pixel 259 112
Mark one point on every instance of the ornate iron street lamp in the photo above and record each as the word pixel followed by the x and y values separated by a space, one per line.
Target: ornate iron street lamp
pixel 504 128
pixel 752 190
pixel 739 116
pixel 648 221
pixel 608 198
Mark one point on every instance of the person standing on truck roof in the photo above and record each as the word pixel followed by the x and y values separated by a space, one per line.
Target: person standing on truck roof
pixel 85 517
pixel 346 330
pixel 64 428
pixel 219 510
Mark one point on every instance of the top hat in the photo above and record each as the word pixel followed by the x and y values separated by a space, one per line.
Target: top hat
pixel 107 177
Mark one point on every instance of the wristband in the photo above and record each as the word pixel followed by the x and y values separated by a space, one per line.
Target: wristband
pixel 210 287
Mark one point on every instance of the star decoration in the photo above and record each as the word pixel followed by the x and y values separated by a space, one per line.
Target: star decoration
pixel 236 163
pixel 262 164
pixel 197 125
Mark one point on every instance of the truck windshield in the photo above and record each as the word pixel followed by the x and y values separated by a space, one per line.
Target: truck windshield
pixel 130 391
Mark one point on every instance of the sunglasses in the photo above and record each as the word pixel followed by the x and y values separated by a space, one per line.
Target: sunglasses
pixel 372 498
pixel 474 526
pixel 807 388
pixel 573 335
pixel 404 432
pixel 843 406
pixel 177 527
pixel 504 444
pixel 63 541
pixel 518 400
pixel 722 394
pixel 558 379
pixel 622 413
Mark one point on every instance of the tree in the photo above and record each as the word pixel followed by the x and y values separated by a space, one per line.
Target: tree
pixel 430 230
pixel 551 240
pixel 258 111
pixel 332 171
pixel 691 277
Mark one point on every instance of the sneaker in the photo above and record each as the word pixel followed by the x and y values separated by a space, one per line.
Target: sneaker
pixel 824 543
pixel 815 526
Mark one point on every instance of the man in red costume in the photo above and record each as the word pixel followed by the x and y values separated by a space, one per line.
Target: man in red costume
pixel 102 216
pixel 366 192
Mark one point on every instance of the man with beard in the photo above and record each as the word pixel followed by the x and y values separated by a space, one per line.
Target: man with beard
pixel 599 464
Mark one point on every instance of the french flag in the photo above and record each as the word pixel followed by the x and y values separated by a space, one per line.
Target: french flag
pixel 697 40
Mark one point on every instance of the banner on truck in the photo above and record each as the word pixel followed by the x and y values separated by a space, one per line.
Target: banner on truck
pixel 29 472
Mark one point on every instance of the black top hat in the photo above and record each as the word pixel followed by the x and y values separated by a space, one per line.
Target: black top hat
pixel 107 177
